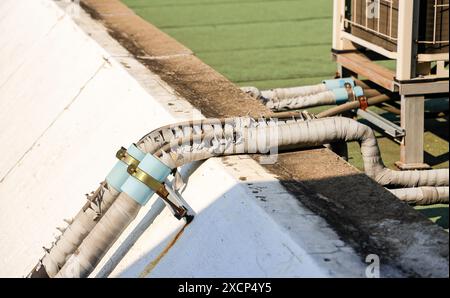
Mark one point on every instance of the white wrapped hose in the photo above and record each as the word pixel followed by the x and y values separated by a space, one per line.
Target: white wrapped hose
pixel 98 203
pixel 283 93
pixel 425 195
pixel 313 100
pixel 101 238
pixel 327 93
pixel 256 138
pixel 79 227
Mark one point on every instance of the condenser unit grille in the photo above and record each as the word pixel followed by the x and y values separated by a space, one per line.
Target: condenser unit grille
pixel 376 21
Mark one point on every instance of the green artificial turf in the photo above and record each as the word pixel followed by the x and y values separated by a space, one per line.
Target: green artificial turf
pixel 276 43
pixel 252 42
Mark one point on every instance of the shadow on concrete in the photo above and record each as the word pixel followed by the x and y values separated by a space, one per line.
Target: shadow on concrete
pixel 439 212
pixel 435 123
pixel 364 215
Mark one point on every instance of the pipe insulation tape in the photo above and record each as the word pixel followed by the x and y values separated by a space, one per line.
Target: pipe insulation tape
pixel 137 190
pixel 118 175
pixel 341 94
pixel 338 83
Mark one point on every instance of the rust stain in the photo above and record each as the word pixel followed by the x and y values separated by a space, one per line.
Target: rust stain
pixel 155 262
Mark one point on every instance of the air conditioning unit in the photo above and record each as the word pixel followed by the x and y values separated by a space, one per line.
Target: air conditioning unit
pixel 413 37
pixel 376 22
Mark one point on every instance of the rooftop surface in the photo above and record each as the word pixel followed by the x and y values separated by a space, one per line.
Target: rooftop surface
pixel 310 214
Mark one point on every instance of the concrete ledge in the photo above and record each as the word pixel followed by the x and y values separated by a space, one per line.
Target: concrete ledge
pixel 122 21
pixel 365 214
pixel 192 79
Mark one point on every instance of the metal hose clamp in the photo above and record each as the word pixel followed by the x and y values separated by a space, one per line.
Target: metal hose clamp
pixel 350 91
pixel 157 187
pixel 125 157
pixel 148 180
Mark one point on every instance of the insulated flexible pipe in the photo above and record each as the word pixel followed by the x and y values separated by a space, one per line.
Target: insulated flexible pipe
pixel 283 93
pixel 244 135
pixel 85 220
pixel 336 96
pixel 125 209
pixel 156 208
pixel 134 194
pixel 326 93
pixel 425 195
pixel 79 227
pixel 74 234
pixel 314 132
pixel 163 136
pixel 326 131
pixel 101 238
pixel 152 141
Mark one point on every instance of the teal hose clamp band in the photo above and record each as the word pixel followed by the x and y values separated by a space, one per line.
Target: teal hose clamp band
pixel 358 91
pixel 341 95
pixel 139 191
pixel 118 175
pixel 338 83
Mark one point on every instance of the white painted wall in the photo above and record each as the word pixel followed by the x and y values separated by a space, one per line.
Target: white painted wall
pixel 67 104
